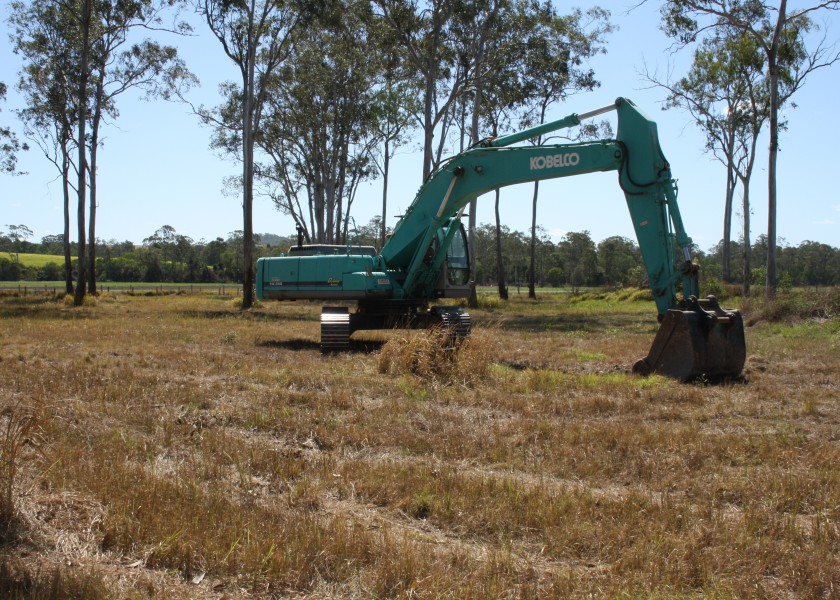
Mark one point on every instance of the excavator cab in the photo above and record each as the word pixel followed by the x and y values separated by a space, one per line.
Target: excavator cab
pixel 454 280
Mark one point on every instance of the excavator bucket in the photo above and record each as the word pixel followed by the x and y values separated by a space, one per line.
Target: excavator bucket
pixel 700 340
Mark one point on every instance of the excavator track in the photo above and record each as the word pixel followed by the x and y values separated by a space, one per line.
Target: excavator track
pixel 455 321
pixel 335 328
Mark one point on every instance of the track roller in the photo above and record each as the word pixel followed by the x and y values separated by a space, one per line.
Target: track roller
pixel 454 320
pixel 335 328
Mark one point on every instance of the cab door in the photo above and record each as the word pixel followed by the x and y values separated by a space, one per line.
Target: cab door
pixel 454 281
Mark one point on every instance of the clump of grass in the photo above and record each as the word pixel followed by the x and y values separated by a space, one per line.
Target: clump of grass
pixel 229 338
pixel 490 302
pixel 644 295
pixel 795 305
pixel 437 357
pixel 732 290
pixel 236 302
pixel 18 425
pixel 623 294
pixel 714 287
pixel 620 295
pixel 19 583
pixel 105 296
pixel 576 298
pixel 90 300
pixel 627 294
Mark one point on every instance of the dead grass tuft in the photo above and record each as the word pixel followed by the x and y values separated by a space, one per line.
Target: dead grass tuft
pixel 17 582
pixel 437 357
pixel 795 304
pixel 18 425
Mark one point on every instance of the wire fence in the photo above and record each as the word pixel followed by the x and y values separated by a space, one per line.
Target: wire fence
pixel 55 290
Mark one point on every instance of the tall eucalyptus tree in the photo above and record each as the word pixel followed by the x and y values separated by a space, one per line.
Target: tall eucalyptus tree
pixel 725 92
pixel 555 67
pixel 321 121
pixel 395 103
pixel 49 121
pixel 781 37
pixel 119 65
pixel 257 36
pixel 425 30
pixel 460 50
pixel 78 58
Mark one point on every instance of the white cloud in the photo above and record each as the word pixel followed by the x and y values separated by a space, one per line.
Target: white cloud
pixel 824 222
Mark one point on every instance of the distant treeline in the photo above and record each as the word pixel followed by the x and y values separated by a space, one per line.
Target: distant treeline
pixel 165 256
pixel 576 260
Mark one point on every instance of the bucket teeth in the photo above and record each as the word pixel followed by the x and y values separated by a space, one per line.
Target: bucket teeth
pixel 700 340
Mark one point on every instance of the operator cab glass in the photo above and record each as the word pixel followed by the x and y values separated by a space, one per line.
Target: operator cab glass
pixel 458 259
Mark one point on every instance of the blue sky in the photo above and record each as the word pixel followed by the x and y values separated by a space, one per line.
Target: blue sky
pixel 157 168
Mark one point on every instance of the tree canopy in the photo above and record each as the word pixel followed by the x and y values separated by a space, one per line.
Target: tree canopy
pixel 787 60
pixel 9 143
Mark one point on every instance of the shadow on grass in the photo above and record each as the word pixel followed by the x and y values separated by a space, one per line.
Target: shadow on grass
pixel 595 323
pixel 251 315
pixel 301 345
pixel 41 307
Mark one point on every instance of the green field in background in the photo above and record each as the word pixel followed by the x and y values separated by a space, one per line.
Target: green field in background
pixel 34 260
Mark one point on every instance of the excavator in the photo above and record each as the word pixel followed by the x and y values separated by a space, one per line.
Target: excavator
pixel 426 258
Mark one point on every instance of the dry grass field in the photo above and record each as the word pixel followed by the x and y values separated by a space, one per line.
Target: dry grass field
pixel 175 447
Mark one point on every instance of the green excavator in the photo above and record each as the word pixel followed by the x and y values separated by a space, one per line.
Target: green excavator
pixel 427 259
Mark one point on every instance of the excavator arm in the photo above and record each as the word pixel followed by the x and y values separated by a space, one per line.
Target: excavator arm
pixel 643 173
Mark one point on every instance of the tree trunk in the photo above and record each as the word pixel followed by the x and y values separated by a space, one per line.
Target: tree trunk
pixel 68 260
pixel 248 171
pixel 727 226
pixel 385 168
pixel 79 298
pixel 532 292
pixel 500 267
pixel 472 301
pixel 428 121
pixel 746 270
pixel 91 281
pixel 94 142
pixel 773 69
